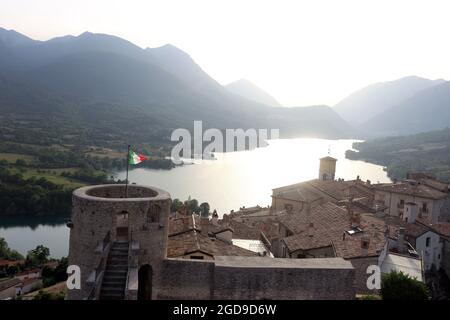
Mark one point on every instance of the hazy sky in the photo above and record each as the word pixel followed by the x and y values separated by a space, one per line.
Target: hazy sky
pixel 301 52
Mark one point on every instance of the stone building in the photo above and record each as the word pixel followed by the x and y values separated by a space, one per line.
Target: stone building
pixel 327 168
pixel 117 239
pixel 362 222
pixel 191 237
pixel 431 198
pixel 127 247
pixel 304 196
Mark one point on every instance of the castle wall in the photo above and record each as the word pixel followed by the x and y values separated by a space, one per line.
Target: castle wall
pixel 94 215
pixel 361 275
pixel 259 278
pixel 255 278
pixel 187 279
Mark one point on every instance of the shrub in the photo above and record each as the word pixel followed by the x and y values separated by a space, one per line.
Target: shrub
pixel 399 286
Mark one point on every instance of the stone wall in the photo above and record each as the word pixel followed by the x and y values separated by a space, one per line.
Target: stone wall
pixel 257 278
pixel 94 213
pixel 94 217
pixel 186 279
pixel 361 276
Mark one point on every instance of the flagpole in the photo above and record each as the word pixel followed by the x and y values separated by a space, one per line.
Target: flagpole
pixel 128 164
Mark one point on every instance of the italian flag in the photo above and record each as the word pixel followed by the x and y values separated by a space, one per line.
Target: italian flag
pixel 135 158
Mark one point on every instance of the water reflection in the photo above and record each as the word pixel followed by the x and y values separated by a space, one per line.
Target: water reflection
pixel 246 178
pixel 235 179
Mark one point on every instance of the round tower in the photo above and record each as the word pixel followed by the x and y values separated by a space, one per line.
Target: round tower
pixel 327 168
pixel 112 236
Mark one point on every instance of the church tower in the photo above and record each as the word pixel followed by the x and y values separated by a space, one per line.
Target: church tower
pixel 327 168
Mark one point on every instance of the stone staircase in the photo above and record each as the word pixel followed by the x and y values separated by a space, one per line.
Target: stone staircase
pixel 115 277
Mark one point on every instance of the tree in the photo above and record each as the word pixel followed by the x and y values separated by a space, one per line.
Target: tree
pixel 21 162
pixel 204 209
pixel 12 270
pixel 192 205
pixel 7 253
pixel 399 286
pixel 176 204
pixel 38 256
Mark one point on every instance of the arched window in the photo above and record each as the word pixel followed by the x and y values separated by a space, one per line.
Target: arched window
pixel 153 213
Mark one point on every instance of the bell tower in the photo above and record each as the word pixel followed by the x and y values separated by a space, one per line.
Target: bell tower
pixel 327 169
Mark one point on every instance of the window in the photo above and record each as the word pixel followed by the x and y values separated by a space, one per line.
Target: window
pixel 424 207
pixel 301 256
pixel 197 257
pixel 427 242
pixel 354 230
pixel 364 244
pixel 153 214
pixel 288 207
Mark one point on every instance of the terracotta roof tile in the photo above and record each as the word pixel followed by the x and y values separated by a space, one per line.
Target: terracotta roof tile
pixel 328 223
pixel 417 190
pixel 186 236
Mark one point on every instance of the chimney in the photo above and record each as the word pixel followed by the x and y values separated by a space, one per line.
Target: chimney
pixel 355 218
pixel 204 225
pixel 368 182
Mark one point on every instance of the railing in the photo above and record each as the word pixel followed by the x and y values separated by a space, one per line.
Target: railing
pixel 96 276
pixel 133 249
pixel 96 281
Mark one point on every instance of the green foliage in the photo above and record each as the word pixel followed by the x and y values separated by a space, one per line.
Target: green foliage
pixel 428 152
pixel 176 204
pixel 12 270
pixel 204 209
pixel 192 205
pixel 7 253
pixel 399 286
pixel 38 256
pixel 54 275
pixel 31 196
pixel 43 295
pixel 370 297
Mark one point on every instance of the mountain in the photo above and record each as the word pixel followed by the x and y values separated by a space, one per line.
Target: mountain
pixel 422 152
pixel 102 79
pixel 314 121
pixel 427 110
pixel 366 103
pixel 12 38
pixel 180 64
pixel 250 91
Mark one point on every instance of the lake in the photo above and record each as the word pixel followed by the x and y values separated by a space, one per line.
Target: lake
pixel 235 179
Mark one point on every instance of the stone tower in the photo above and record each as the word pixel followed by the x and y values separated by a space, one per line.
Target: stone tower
pixel 118 242
pixel 327 168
